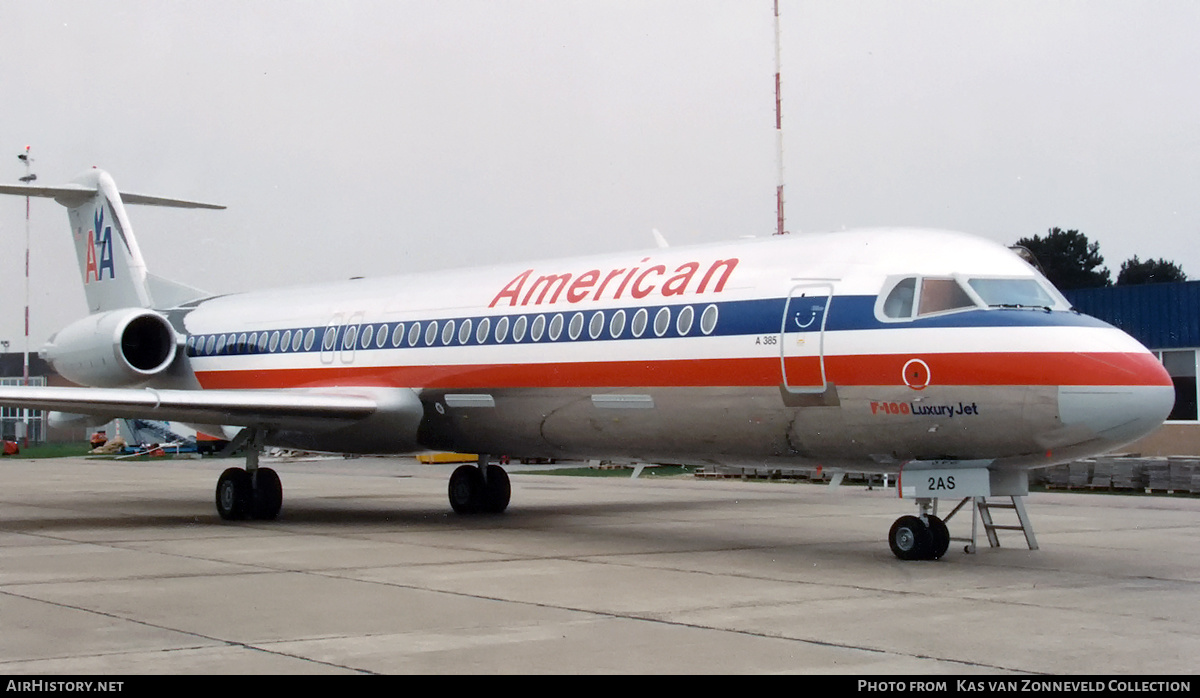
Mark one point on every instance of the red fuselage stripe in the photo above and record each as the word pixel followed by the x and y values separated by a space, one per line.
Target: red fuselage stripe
pixel 1012 368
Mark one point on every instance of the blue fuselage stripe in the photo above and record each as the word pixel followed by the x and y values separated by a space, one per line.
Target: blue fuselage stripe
pixel 729 318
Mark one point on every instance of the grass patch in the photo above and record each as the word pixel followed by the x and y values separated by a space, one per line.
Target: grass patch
pixel 54 450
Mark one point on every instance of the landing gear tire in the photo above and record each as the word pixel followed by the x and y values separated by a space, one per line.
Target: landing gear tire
pixel 472 493
pixel 497 490
pixel 910 539
pixel 268 494
pixel 241 495
pixel 234 494
pixel 466 489
pixel 940 536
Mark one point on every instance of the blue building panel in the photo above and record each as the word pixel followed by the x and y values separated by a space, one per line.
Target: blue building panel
pixel 1160 316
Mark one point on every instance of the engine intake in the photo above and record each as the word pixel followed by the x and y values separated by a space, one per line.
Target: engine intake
pixel 116 349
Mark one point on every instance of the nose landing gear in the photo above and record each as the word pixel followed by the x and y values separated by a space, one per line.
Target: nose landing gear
pixel 922 537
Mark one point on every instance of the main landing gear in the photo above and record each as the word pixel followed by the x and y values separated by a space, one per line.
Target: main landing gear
pixel 256 493
pixel 922 537
pixel 246 494
pixel 481 488
pixel 250 493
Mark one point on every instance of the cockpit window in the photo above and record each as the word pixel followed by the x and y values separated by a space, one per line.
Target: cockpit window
pixel 918 296
pixel 899 303
pixel 1012 293
pixel 940 295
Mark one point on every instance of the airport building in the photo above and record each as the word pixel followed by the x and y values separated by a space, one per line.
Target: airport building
pixel 1166 319
pixel 16 423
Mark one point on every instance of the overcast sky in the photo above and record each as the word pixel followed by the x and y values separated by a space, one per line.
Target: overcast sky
pixel 369 138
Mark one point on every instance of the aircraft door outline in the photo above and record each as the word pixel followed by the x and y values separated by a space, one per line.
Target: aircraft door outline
pixel 349 338
pixel 330 338
pixel 802 337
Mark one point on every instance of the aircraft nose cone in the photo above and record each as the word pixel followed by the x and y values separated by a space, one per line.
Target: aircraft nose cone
pixel 1135 403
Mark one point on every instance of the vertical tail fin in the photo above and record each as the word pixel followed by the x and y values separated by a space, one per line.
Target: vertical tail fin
pixel 110 263
pixel 114 274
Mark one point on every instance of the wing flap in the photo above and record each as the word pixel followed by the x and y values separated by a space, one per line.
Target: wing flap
pixel 269 409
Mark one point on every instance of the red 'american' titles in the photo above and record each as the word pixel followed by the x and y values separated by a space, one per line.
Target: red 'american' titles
pixel 637 280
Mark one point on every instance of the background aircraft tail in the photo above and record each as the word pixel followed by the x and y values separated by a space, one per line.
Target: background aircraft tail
pixel 110 263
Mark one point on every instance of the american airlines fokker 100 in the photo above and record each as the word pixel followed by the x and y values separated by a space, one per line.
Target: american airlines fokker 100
pixel 937 356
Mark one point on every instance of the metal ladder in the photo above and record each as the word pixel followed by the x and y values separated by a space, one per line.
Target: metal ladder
pixel 981 507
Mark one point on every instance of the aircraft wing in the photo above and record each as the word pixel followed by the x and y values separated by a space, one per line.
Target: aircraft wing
pixel 270 409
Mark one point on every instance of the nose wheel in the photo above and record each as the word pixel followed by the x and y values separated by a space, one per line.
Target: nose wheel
pixel 941 536
pixel 923 537
pixel 910 539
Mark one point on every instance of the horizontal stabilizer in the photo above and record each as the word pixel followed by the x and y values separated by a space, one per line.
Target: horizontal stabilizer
pixel 162 201
pixel 74 194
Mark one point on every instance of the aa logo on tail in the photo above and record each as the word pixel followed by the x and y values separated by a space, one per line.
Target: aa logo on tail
pixel 99 250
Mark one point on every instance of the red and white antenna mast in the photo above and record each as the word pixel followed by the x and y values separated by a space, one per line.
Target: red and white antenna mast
pixel 779 229
pixel 27 179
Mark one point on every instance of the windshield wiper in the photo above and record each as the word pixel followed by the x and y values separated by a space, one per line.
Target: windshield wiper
pixel 1020 305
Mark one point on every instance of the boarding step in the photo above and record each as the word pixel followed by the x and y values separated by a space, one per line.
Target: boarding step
pixel 982 513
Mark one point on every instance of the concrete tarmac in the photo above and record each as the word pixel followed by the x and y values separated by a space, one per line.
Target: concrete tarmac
pixel 125 568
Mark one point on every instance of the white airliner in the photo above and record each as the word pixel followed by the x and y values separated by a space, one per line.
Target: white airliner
pixel 938 356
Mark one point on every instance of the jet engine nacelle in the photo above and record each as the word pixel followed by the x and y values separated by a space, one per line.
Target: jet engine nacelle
pixel 70 420
pixel 115 349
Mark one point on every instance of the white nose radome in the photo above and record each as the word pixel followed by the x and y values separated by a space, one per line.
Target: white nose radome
pixel 1126 395
pixel 1114 415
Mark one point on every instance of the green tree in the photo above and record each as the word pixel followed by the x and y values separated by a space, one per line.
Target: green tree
pixel 1068 259
pixel 1152 271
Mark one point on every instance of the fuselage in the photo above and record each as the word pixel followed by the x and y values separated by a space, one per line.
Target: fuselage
pixel 861 349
